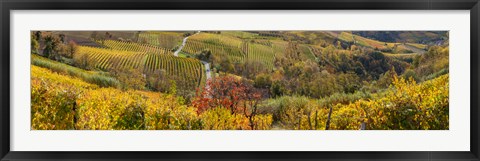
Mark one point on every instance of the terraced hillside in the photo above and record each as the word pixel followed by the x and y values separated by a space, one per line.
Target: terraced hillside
pixel 384 46
pixel 109 59
pixel 132 46
pixel 239 80
pixel 219 45
pixel 167 40
pixel 231 45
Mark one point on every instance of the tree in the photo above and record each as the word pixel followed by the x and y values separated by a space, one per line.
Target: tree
pixel 239 96
pixel 251 100
pixel 132 78
pixel 108 35
pixel 339 45
pixel 184 88
pixel 71 49
pixel 278 88
pixel 137 36
pixel 158 80
pixel 52 46
pixel 409 73
pixel 226 65
pixel 252 68
pixel 263 81
pixel 205 55
pixel 223 92
pixel 292 51
pixel 387 78
pixel 93 35
pixel 82 60
pixel 38 35
pixel 34 45
pixel 62 38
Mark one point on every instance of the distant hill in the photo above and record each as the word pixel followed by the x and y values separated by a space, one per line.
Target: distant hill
pixel 423 37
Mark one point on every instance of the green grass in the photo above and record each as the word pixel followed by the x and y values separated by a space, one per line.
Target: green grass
pixel 184 55
pixel 307 52
pixel 419 46
pixel 97 78
pixel 346 36
pixel 404 57
pixel 436 74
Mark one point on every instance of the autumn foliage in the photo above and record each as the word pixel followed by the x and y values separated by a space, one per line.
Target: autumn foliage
pixel 238 80
pixel 61 102
pixel 228 92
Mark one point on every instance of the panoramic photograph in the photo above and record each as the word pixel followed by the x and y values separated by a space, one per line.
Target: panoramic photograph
pixel 239 80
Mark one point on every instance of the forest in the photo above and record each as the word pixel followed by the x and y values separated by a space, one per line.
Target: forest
pixel 239 80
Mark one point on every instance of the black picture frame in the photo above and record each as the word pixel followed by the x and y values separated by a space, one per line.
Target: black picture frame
pixel 5 73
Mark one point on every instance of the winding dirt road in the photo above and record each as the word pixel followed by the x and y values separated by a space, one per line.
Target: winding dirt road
pixel 206 64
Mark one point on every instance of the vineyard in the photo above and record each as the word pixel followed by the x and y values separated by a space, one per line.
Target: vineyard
pixel 167 40
pixel 261 53
pixel 219 46
pixel 417 106
pixel 240 34
pixel 349 37
pixel 239 80
pixel 64 102
pixel 94 77
pixel 394 47
pixel 237 50
pixel 131 46
pixel 428 109
pixel 190 70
